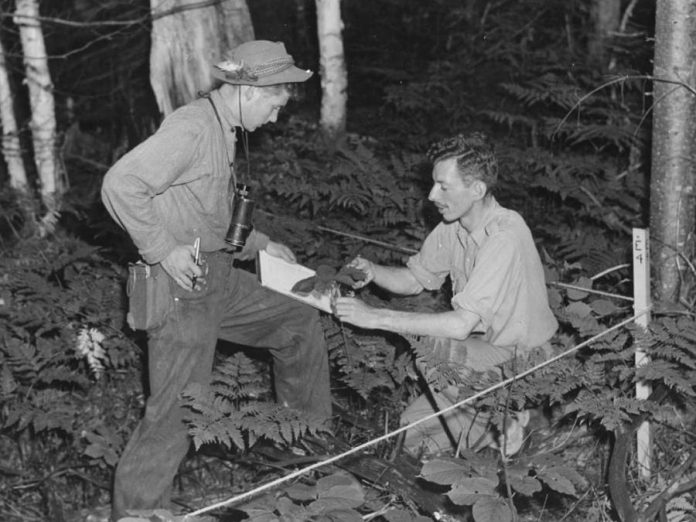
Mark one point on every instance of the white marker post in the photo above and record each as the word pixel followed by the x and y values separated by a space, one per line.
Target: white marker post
pixel 641 301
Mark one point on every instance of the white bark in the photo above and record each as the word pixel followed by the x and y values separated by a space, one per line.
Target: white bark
pixel 43 118
pixel 186 43
pixel 334 78
pixel 11 150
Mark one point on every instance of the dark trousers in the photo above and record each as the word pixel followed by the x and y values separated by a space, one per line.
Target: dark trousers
pixel 233 306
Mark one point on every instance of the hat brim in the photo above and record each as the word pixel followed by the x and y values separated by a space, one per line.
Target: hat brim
pixel 290 75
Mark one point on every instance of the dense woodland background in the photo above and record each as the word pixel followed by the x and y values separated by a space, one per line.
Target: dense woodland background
pixel 570 109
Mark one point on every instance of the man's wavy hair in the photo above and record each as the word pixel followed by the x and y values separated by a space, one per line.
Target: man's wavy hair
pixel 474 154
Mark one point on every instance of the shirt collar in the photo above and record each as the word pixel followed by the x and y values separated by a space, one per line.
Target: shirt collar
pixel 487 227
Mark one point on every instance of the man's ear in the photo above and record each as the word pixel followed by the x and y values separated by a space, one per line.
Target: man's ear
pixel 480 189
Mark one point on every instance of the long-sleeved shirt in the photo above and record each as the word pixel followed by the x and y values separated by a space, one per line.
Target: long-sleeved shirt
pixel 175 186
pixel 496 273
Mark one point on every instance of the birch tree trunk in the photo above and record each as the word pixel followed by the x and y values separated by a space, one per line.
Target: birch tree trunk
pixel 43 117
pixel 188 38
pixel 332 64
pixel 11 150
pixel 605 16
pixel 673 158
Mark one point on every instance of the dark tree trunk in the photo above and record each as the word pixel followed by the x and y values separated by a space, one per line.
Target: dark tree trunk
pixel 188 37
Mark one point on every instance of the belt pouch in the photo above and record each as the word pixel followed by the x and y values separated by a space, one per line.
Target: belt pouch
pixel 149 299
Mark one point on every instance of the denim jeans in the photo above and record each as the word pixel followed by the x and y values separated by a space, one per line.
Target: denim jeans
pixel 232 306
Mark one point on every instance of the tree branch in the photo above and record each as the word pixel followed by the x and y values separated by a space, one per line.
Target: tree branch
pixel 107 23
pixel 619 79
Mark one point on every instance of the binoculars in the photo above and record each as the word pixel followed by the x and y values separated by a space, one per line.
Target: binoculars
pixel 241 223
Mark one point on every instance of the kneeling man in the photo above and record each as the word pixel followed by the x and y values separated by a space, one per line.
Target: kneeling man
pixel 499 305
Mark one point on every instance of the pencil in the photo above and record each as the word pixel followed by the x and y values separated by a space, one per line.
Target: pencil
pixel 197 250
pixel 196 259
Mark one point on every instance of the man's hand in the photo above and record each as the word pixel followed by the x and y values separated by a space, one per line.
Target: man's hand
pixel 354 311
pixel 366 267
pixel 281 251
pixel 180 265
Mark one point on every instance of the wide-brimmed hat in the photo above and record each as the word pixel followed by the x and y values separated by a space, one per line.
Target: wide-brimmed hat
pixel 260 63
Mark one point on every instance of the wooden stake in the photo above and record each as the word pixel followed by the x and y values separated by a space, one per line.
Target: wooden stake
pixel 641 301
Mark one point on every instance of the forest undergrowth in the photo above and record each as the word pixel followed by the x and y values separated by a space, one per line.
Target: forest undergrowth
pixel 72 389
pixel 71 381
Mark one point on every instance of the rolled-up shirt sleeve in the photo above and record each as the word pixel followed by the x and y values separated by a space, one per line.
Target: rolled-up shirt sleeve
pixel 494 281
pixel 148 170
pixel 431 265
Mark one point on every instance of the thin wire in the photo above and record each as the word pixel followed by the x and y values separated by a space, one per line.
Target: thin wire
pixel 245 146
pixel 413 251
pixel 384 244
pixel 230 161
pixel 590 291
pixel 330 460
pixel 245 135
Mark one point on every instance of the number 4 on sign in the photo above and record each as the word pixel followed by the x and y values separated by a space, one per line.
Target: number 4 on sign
pixel 641 303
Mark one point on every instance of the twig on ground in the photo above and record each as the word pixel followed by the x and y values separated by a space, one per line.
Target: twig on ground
pixel 575 505
pixel 378 513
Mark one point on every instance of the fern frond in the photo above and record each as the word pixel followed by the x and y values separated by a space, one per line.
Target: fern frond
pixel 511 120
pixel 670 374
pixel 548 89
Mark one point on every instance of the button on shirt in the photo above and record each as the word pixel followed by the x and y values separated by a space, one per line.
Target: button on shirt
pixel 496 273
pixel 174 187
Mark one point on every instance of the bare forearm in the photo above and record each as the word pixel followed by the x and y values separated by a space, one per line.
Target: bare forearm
pixel 397 280
pixel 455 324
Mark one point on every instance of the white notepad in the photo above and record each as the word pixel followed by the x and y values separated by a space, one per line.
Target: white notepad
pixel 279 275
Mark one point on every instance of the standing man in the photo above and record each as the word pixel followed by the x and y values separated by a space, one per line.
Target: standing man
pixel 171 192
pixel 499 305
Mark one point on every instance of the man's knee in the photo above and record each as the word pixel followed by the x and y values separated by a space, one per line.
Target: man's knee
pixel 307 325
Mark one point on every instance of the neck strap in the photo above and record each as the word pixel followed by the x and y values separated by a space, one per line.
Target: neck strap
pixel 230 163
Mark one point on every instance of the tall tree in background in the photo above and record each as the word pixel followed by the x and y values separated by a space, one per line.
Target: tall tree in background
pixel 605 16
pixel 11 150
pixel 673 150
pixel 188 36
pixel 43 117
pixel 334 78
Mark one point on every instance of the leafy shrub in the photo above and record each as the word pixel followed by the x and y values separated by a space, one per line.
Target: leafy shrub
pixel 480 483
pixel 63 312
pixel 582 163
pixel 63 354
pixel 237 409
pixel 355 188
pixel 333 497
pixel 366 363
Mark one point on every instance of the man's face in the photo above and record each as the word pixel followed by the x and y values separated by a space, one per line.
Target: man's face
pixel 262 106
pixel 450 194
